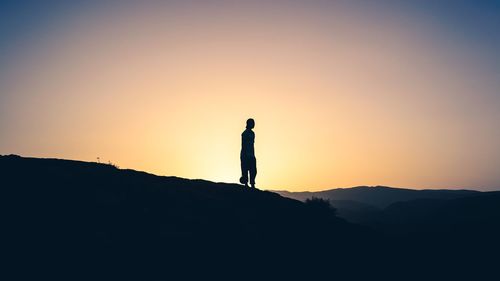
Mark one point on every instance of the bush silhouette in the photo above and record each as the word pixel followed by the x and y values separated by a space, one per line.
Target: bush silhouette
pixel 320 205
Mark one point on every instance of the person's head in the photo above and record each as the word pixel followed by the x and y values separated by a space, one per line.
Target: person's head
pixel 250 123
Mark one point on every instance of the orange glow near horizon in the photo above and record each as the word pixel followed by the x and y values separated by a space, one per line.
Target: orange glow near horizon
pixel 339 100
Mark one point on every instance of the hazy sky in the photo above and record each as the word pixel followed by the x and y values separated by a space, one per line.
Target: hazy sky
pixel 344 93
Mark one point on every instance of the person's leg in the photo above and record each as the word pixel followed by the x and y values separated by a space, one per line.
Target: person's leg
pixel 253 171
pixel 244 171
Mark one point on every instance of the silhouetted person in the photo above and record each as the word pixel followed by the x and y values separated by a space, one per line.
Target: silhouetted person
pixel 247 155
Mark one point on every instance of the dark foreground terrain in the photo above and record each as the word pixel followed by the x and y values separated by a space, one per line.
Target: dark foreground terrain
pixel 79 220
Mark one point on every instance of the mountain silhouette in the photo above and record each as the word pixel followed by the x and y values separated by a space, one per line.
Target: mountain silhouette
pixel 82 220
pixel 378 196
pixel 406 212
pixel 363 204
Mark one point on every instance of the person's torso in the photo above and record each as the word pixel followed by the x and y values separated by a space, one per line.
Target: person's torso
pixel 247 141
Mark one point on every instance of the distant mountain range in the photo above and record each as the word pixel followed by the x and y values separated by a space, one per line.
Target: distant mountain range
pixel 400 210
pixel 94 221
pixel 378 196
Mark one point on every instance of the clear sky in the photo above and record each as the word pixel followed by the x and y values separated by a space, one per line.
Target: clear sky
pixel 344 93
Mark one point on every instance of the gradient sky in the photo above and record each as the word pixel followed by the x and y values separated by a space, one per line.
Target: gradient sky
pixel 344 93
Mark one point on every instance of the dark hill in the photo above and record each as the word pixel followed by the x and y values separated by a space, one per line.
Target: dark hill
pixel 125 219
pixel 78 220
